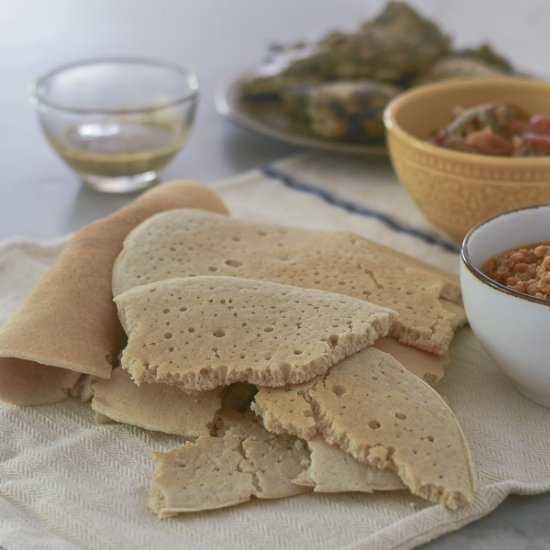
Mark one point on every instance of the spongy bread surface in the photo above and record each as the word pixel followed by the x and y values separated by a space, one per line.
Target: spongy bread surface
pixel 213 472
pixel 202 332
pixel 274 404
pixel 184 481
pixel 334 471
pixel 384 416
pixel 287 410
pixel 68 322
pixel 184 243
pixel 155 407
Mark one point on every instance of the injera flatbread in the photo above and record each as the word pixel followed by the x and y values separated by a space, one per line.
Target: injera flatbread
pixel 102 419
pixel 202 332
pixel 68 323
pixel 428 366
pixel 214 472
pixel 384 416
pixel 156 407
pixel 270 402
pixel 287 410
pixel 180 244
pixel 332 470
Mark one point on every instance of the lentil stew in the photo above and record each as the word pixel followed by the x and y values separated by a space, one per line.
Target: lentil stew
pixel 525 269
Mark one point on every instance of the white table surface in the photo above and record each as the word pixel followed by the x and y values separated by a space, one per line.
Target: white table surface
pixel 40 197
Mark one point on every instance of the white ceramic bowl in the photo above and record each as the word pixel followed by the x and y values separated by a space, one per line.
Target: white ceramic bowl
pixel 514 328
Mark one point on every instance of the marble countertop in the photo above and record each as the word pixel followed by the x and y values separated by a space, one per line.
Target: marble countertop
pixel 40 198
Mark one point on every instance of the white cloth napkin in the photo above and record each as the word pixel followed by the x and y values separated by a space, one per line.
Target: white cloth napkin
pixel 66 482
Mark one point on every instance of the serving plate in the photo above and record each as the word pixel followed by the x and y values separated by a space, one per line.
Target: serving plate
pixel 270 120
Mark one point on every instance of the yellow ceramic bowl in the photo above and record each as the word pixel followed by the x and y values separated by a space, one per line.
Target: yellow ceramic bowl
pixel 455 190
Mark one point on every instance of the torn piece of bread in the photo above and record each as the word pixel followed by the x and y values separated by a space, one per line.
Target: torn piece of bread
pixel 273 404
pixel 68 324
pixel 184 243
pixel 273 460
pixel 156 407
pixel 384 416
pixel 214 472
pixel 335 471
pixel 200 475
pixel 203 332
pixel 287 410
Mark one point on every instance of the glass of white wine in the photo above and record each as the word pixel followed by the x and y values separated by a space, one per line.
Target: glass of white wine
pixel 117 122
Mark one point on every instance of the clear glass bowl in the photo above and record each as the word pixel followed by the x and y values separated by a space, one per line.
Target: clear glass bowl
pixel 117 122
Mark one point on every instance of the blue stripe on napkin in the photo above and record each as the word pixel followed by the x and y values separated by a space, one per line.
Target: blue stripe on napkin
pixel 330 198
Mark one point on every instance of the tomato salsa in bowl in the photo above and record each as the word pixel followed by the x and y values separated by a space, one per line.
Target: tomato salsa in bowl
pixel 456 189
pixel 498 129
pixel 503 276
